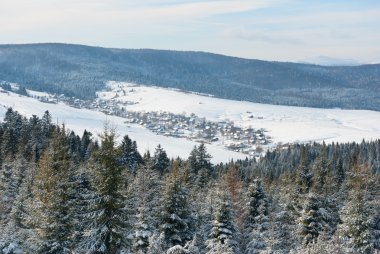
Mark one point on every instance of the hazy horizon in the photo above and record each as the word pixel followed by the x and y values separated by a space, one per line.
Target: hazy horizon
pixel 318 60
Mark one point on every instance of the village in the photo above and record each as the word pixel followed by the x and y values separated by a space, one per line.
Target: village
pixel 247 140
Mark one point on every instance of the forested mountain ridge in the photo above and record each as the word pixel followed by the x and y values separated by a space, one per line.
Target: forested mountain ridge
pixel 64 193
pixel 80 71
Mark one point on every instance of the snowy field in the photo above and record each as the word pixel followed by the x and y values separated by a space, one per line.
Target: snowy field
pixel 81 119
pixel 283 123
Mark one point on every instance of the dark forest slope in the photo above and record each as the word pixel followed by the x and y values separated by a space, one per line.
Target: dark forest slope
pixel 82 70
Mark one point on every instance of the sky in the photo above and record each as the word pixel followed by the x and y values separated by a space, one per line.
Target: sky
pixel 279 30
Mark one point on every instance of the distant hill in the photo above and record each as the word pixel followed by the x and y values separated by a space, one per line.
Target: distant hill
pixel 80 71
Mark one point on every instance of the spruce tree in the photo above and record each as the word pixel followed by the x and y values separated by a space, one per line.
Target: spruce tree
pixel 161 160
pixel 256 218
pixel 46 123
pixel 130 157
pixel 175 215
pixel 321 171
pixel 52 193
pixel 107 215
pixel 9 142
pixel 341 174
pixel 224 234
pixel 200 166
pixel 359 222
pixel 85 143
pixel 144 188
pixel 12 175
pixel 203 157
pixel 311 222
pixel 304 174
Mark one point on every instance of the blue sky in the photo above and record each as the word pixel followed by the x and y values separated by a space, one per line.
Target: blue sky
pixel 281 30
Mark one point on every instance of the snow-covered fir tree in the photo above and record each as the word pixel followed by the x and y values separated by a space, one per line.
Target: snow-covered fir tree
pixel 161 160
pixel 142 231
pixel 199 165
pixel 107 212
pixel 304 174
pixel 53 207
pixel 175 214
pixel 359 232
pixel 144 188
pixel 130 157
pixel 223 237
pixel 313 220
pixel 256 219
pixel 321 171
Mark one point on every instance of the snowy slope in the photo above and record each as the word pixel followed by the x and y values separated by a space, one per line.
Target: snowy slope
pixel 283 123
pixel 80 119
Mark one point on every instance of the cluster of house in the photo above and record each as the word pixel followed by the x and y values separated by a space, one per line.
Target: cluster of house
pixel 245 140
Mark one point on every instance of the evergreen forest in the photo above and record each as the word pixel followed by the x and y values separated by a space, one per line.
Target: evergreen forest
pixel 66 192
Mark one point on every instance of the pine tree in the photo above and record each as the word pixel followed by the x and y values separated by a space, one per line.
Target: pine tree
pixel 142 232
pixel 358 220
pixel 311 220
pixel 282 231
pixel 203 157
pixel 107 214
pixel 304 175
pixel 257 204
pixel 9 142
pixel 321 171
pixel 52 196
pixel 175 215
pixel 21 178
pixel 341 174
pixel 200 166
pixel 357 225
pixel 130 156
pixel 6 172
pixel 21 239
pixel 223 237
pixel 193 161
pixel 12 175
pixel 85 196
pixel 85 144
pixel 161 160
pixel 47 127
pixel 144 187
pixel 256 218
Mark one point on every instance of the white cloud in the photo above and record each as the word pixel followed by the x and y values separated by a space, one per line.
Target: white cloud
pixel 21 14
pixel 273 29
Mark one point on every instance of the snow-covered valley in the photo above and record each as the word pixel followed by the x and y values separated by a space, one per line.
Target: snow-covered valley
pixel 284 124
